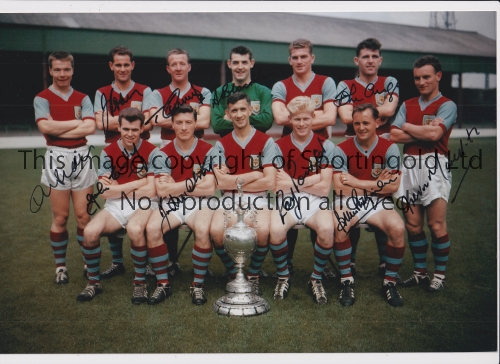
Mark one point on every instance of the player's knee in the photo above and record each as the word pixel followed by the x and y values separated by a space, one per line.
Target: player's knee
pixel 60 220
pixel 262 237
pixel 413 229
pixel 325 232
pixel 202 231
pixel 438 227
pixel 82 217
pixel 216 234
pixel 340 236
pixel 396 229
pixel 277 235
pixel 153 231
pixel 91 234
pixel 216 231
pixel 135 231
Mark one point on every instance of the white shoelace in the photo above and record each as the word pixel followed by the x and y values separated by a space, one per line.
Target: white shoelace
pixel 281 287
pixel 90 290
pixel 61 275
pixel 198 293
pixel 436 283
pixel 158 291
pixel 318 290
pixel 140 291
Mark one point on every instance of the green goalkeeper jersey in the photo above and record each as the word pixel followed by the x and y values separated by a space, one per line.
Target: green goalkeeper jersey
pixel 260 102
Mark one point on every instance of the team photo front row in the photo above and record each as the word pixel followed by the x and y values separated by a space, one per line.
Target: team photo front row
pixel 150 192
pixel 176 196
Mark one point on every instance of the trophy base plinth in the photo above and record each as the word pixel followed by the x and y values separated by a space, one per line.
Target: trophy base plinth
pixel 238 304
pixel 239 286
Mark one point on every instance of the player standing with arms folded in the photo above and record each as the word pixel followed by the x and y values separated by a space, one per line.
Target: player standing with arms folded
pixel 163 102
pixel 127 183
pixel 424 125
pixel 240 63
pixel 65 118
pixel 252 153
pixel 184 182
pixel 366 173
pixel 383 93
pixel 304 82
pixel 109 101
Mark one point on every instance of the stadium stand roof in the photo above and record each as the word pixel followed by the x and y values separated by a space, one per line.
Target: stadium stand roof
pixel 210 36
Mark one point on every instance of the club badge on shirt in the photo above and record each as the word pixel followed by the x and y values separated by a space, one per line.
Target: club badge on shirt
pixel 313 164
pixel 196 171
pixel 78 112
pixel 427 119
pixel 254 161
pixel 136 104
pixel 141 169
pixel 377 170
pixel 255 107
pixel 379 99
pixel 318 100
pixel 195 106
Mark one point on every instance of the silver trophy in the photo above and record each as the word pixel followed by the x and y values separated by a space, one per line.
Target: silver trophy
pixel 240 242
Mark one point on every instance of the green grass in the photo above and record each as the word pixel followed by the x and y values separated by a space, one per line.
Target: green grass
pixel 37 316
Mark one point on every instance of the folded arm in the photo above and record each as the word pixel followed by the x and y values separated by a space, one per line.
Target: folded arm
pixel 226 181
pixel 56 128
pixel 115 190
pixel 386 183
pixel 87 127
pixel 423 132
pixel 326 117
pixel 263 184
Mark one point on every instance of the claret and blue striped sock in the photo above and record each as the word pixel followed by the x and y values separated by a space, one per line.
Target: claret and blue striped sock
pixel 280 254
pixel 201 259
pixel 116 246
pixel 227 261
pixel 79 238
pixel 92 256
pixel 440 250
pixel 381 239
pixel 321 255
pixel 59 243
pixel 394 258
pixel 342 251
pixel 140 259
pixel 257 260
pixel 418 246
pixel 158 256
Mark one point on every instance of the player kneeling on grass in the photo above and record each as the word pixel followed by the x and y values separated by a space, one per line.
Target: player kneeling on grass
pixel 184 182
pixel 302 179
pixel 127 183
pixel 251 154
pixel 366 173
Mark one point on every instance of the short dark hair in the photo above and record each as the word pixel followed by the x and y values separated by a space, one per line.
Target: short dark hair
pixel 300 43
pixel 178 51
pixel 241 50
pixel 183 109
pixel 428 60
pixel 363 107
pixel 131 114
pixel 370 43
pixel 61 56
pixel 121 51
pixel 237 96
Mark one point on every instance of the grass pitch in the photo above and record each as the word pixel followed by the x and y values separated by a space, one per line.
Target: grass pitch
pixel 37 316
